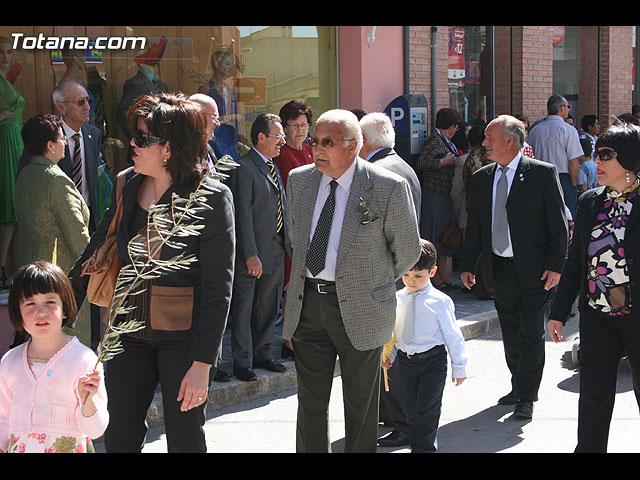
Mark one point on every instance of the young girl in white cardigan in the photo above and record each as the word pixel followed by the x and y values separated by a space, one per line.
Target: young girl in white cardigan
pixel 45 381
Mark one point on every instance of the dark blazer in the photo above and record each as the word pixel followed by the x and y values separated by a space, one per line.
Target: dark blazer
pixel 92 137
pixel 132 88
pixel 256 203
pixel 211 277
pixel 536 215
pixel 574 275
pixel 389 159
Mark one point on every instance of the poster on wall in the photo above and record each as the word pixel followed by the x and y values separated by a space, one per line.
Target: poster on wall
pixel 456 54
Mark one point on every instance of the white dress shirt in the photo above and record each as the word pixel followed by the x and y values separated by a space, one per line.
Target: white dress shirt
pixel 435 324
pixel 342 195
pixel 511 172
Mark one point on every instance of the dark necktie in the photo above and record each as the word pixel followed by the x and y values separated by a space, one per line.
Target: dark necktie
pixel 76 172
pixel 500 234
pixel 274 175
pixel 317 253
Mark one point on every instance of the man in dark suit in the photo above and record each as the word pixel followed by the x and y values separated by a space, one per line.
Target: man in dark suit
pixel 517 221
pixel 378 140
pixel 262 243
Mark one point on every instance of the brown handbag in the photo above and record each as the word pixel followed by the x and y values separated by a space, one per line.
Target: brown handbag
pixel 452 237
pixel 105 264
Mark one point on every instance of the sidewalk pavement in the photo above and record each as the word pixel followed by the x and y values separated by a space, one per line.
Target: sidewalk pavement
pixel 475 317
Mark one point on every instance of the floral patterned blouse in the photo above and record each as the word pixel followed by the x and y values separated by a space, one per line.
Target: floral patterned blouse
pixel 608 289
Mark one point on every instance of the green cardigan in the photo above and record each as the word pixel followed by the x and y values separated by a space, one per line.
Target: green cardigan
pixel 52 215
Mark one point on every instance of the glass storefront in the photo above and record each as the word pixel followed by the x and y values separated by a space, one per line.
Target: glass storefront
pixel 467 69
pixel 247 69
pixel 566 67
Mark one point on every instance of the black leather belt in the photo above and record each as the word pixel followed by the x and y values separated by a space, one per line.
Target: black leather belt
pixel 498 257
pixel 321 286
pixel 428 353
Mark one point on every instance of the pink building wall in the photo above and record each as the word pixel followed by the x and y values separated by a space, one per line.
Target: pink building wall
pixel 371 74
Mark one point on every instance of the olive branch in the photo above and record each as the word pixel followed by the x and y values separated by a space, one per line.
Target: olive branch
pixel 166 225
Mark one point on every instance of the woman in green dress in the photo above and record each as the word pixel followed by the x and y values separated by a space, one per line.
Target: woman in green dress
pixel 11 111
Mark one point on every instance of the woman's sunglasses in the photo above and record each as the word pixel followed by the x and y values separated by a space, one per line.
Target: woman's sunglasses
pixel 144 140
pixel 605 154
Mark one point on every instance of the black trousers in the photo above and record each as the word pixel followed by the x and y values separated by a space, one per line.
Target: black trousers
pixel 318 340
pixel 603 342
pixel 131 379
pixel 521 314
pixel 421 382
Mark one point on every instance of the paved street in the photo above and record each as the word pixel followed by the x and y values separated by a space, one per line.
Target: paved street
pixel 471 421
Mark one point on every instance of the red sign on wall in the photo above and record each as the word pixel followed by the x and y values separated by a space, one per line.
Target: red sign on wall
pixel 456 53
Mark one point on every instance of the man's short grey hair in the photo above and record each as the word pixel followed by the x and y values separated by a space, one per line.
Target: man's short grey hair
pixel 347 120
pixel 59 94
pixel 514 127
pixel 378 130
pixel 554 103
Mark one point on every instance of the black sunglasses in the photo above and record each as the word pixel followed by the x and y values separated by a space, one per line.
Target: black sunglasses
pixel 144 140
pixel 605 154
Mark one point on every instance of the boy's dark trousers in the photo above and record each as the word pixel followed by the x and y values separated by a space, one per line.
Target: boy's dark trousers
pixel 421 380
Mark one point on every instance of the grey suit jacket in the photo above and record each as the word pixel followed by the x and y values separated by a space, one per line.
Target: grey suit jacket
pixel 389 159
pixel 256 203
pixel 371 256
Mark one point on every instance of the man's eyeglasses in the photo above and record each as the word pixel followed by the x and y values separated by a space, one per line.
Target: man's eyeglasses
pixel 144 140
pixel 279 136
pixel 605 154
pixel 80 102
pixel 326 142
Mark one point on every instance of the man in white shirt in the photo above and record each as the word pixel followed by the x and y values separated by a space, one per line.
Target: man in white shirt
pixel 556 142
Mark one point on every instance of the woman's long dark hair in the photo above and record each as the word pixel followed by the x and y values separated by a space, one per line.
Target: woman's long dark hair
pixel 183 124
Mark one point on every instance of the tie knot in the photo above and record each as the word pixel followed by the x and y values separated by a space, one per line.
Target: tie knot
pixel 333 184
pixel 504 169
pixel 76 136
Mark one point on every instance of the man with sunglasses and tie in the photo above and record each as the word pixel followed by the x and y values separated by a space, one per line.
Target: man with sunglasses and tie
pixel 518 228
pixel 354 233
pixel 262 241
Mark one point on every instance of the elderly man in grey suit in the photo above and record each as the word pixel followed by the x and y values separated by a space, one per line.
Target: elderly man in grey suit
pixel 262 242
pixel 354 233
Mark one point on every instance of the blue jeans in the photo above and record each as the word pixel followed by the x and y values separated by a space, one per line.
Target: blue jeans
pixel 569 192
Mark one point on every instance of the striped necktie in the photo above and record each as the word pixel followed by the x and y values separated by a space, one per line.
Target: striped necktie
pixel 274 175
pixel 409 327
pixel 76 171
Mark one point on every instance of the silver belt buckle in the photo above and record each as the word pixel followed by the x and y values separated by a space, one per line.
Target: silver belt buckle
pixel 318 286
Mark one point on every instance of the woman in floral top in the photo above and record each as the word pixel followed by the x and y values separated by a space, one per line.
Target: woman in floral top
pixel 603 269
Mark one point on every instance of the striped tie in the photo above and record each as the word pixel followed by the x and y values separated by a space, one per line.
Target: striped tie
pixel 274 175
pixel 76 172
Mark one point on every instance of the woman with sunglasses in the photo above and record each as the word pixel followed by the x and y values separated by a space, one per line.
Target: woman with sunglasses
pixel 185 312
pixel 603 270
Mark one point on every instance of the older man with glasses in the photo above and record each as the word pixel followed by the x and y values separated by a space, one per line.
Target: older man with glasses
pixel 354 233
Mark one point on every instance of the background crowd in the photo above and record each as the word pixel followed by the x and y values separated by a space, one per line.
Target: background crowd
pixel 58 193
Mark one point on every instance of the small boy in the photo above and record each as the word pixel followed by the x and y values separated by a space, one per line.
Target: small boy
pixel 421 355
pixel 588 173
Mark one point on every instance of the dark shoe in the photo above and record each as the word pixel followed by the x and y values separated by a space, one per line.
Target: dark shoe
pixel 509 399
pixel 524 409
pixel 286 353
pixel 270 365
pixel 394 439
pixel 246 374
pixel 221 376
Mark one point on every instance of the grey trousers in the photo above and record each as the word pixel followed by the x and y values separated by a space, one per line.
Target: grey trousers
pixel 319 339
